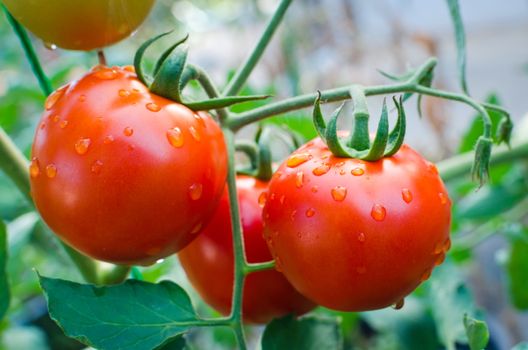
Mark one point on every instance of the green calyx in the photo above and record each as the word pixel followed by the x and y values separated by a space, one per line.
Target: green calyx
pixel 359 145
pixel 172 73
pixel 480 169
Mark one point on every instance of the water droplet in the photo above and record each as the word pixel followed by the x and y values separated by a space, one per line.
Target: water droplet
pixel 197 228
pixel 137 91
pixel 175 137
pixel 108 139
pixel 361 237
pixel 361 269
pixel 82 98
pixel 96 167
pixel 425 276
pixel 281 199
pixel 159 261
pixel 129 68
pixel 299 178
pixel 399 304
pixel 357 171
pixel 443 198
pixel 407 195
pixel 128 131
pixel 315 189
pixel 123 93
pixel 200 120
pixel 273 195
pixel 339 193
pixel 440 259
pixel 310 212
pixel 340 164
pixel 194 133
pixel 49 46
pixel 262 199
pixel 195 191
pixel 278 264
pixel 439 248
pixel 378 212
pixel 63 124
pixel 277 174
pixel 321 170
pixel 446 245
pixel 42 126
pixel 342 172
pixel 292 215
pixel 106 74
pixel 432 168
pixel 34 168
pixel 298 159
pixel 82 145
pixel 51 171
pixel 55 118
pixel 54 97
pixel 153 107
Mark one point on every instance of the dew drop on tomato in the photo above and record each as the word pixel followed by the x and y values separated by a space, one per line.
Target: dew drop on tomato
pixel 278 264
pixel 292 215
pixel 297 159
pixel 200 120
pixel 399 304
pixel 194 133
pixel 51 171
pixel 55 118
pixel 108 139
pixel 440 259
pixel 49 46
pixel 339 193
pixel 446 245
pixel 299 179
pixel 106 74
pixel 282 199
pixel 378 212
pixel 128 131
pixel 361 237
pixel 195 191
pixel 153 107
pixel 263 197
pixel 315 189
pixel 96 167
pixel 175 137
pixel 407 195
pixel 82 145
pixel 310 212
pixel 53 98
pixel 321 170
pixel 123 93
pixel 197 228
pixel 63 124
pixel 34 168
pixel 425 276
pixel 82 98
pixel 443 198
pixel 357 171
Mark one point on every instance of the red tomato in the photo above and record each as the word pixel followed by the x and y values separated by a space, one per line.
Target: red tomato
pixel 121 174
pixel 80 24
pixel 209 263
pixel 354 235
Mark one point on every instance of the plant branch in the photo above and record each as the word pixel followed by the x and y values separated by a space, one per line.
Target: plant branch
pixel 209 87
pixel 239 79
pixel 250 268
pixel 30 52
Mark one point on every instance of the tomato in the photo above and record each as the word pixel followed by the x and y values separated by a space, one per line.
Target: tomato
pixel 80 24
pixel 209 263
pixel 353 235
pixel 121 174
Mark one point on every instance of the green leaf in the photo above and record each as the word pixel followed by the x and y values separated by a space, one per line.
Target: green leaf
pixel 4 285
pixel 477 333
pixel 133 315
pixel 450 300
pixel 517 266
pixel 476 129
pixel 306 333
pixel 460 38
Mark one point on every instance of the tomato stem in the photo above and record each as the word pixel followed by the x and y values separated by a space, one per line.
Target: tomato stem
pixel 239 79
pixel 29 51
pixel 250 268
pixel 101 57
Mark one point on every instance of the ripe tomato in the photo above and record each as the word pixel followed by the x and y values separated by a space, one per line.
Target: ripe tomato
pixel 80 24
pixel 353 235
pixel 209 263
pixel 121 174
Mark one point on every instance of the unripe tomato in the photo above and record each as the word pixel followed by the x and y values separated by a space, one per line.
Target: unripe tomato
pixel 80 24
pixel 353 235
pixel 124 175
pixel 209 263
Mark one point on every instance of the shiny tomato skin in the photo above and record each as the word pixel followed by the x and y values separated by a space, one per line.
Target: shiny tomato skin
pixel 353 235
pixel 121 174
pixel 80 24
pixel 208 262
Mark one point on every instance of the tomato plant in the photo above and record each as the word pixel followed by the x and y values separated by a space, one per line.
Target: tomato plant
pixel 80 25
pixel 112 169
pixel 208 261
pixel 373 230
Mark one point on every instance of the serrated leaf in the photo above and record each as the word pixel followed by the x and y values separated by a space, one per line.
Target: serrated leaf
pixel 476 129
pixel 4 285
pixel 460 38
pixel 517 268
pixel 306 333
pixel 132 315
pixel 450 300
pixel 477 333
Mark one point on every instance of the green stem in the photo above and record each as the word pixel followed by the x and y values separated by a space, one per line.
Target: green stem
pixel 30 53
pixel 238 242
pixel 207 84
pixel 455 167
pixel 360 139
pixel 250 268
pixel 239 79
